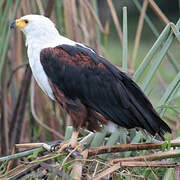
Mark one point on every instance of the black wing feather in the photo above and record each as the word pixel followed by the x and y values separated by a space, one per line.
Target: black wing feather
pixel 105 89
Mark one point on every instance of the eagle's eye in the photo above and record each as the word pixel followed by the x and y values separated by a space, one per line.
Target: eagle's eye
pixel 26 21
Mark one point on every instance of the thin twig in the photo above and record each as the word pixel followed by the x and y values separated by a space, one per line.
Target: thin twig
pixel 155 176
pixel 128 147
pixel 10 163
pixel 36 147
pixel 18 155
pixel 155 156
pixel 133 164
pixel 76 172
pixel 158 11
pixel 57 171
pixel 19 110
pixel 4 127
pixel 24 172
pixel 95 170
pixel 74 150
pixel 14 71
pixel 116 21
pixel 138 32
pixel 83 23
pixel 94 15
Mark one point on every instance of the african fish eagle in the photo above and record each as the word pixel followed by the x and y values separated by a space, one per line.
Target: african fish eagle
pixel 91 89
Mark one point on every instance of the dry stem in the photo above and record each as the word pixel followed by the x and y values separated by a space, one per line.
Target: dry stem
pixel 132 164
pixel 138 32
pixel 158 11
pixel 156 156
pixel 128 147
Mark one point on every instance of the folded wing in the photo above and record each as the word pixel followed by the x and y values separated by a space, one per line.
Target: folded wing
pixel 81 74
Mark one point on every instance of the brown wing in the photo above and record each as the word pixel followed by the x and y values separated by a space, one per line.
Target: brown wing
pixel 84 76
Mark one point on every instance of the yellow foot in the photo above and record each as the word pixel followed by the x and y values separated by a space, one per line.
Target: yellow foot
pixel 61 146
pixel 67 144
pixel 72 143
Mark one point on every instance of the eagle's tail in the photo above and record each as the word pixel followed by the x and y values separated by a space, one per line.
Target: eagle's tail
pixel 146 116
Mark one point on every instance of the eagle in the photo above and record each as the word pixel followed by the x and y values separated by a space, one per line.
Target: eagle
pixel 88 87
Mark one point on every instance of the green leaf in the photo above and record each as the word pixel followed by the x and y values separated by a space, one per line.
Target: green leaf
pixel 164 146
pixel 168 137
pixel 58 159
pixel 68 133
pixel 135 140
pixel 4 48
pixel 99 137
pixel 148 58
pixel 175 30
pixel 35 153
pixel 169 107
pixel 169 141
pixel 157 62
pixel 172 89
pixel 147 173
pixel 154 30
pixel 111 141
pixel 125 41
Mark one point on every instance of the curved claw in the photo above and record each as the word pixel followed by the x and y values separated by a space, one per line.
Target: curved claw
pixel 72 143
pixel 54 146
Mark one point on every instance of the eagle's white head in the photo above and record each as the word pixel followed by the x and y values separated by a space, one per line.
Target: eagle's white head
pixel 36 28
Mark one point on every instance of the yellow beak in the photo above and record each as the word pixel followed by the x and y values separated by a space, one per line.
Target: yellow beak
pixel 19 23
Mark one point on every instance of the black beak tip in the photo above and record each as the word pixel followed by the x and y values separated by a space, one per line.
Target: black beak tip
pixel 13 25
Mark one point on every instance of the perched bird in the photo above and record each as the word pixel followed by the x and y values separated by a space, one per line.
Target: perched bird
pixel 91 89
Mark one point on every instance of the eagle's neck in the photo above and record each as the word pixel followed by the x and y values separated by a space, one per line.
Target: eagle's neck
pixel 41 38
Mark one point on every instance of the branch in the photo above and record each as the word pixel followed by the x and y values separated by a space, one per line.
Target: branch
pixel 128 147
pixel 55 170
pixel 4 127
pixel 14 71
pixel 156 156
pixel 133 164
pixel 24 169
pixel 158 11
pixel 19 155
pixel 21 171
pixel 94 15
pixel 40 147
pixel 116 21
pixel 139 31
pixel 19 110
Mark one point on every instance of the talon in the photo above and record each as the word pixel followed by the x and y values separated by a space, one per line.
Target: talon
pixel 86 146
pixel 65 145
pixel 53 147
pixel 72 143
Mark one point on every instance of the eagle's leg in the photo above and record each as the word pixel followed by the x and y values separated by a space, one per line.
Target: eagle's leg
pixel 72 143
pixel 74 139
pixel 78 114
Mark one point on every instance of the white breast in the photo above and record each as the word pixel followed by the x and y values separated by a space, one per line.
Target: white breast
pixel 34 48
pixel 39 73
